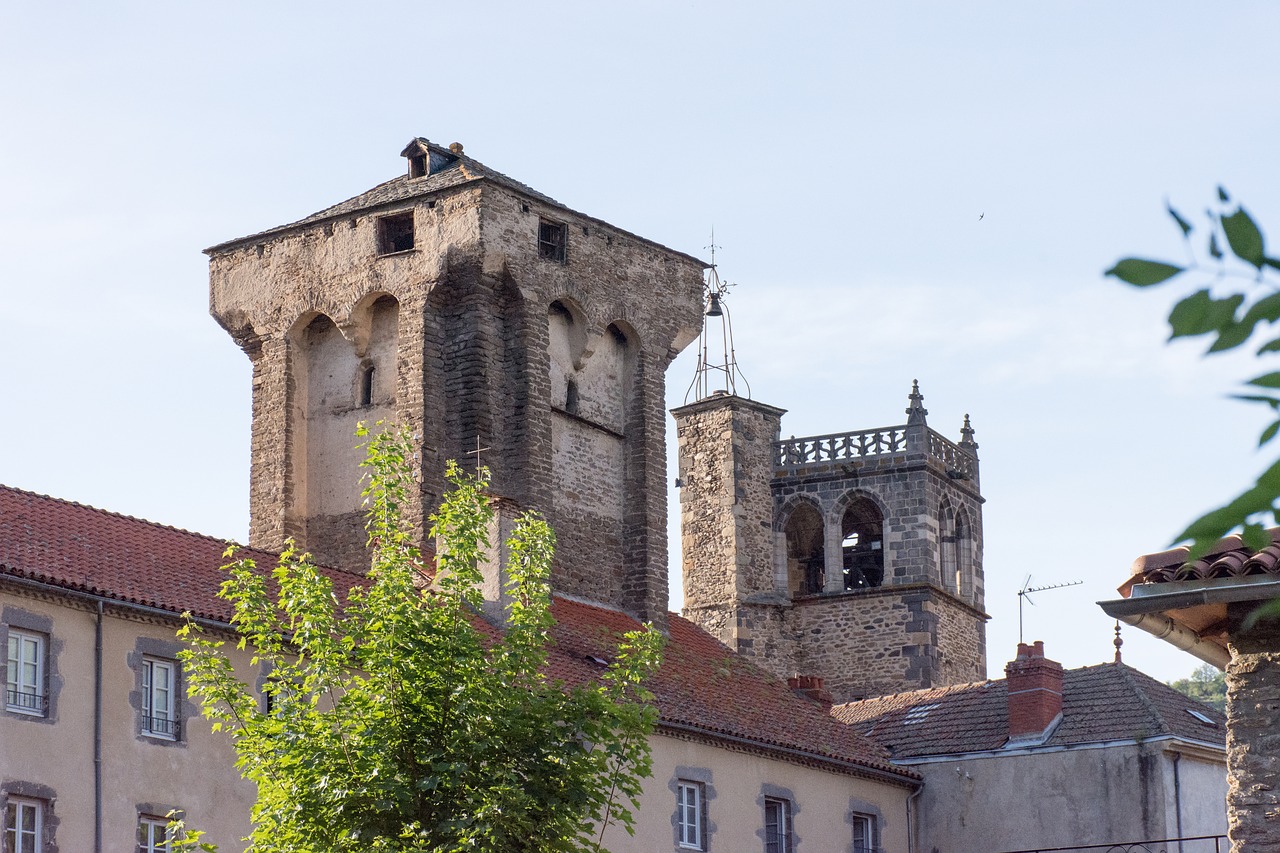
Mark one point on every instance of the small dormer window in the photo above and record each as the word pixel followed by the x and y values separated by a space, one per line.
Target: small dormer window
pixel 395 233
pixel 418 165
pixel 551 240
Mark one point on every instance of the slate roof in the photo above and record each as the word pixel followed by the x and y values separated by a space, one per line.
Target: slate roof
pixel 702 689
pixel 1103 703
pixel 461 170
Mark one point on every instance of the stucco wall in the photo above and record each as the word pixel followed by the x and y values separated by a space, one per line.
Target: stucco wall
pixel 140 774
pixel 736 783
pixel 1057 798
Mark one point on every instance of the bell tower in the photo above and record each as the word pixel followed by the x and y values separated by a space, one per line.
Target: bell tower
pixel 485 316
pixel 866 567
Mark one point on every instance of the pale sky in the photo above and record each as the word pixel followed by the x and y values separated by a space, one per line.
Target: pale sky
pixel 901 191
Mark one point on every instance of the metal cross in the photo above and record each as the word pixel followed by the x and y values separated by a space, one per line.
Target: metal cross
pixel 477 453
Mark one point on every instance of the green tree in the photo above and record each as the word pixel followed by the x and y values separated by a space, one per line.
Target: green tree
pixel 1207 684
pixel 402 722
pixel 1237 300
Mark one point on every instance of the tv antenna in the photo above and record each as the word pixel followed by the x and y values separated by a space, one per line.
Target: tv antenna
pixel 1024 594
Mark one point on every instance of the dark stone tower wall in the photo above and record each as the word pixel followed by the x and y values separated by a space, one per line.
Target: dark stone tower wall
pixel 470 366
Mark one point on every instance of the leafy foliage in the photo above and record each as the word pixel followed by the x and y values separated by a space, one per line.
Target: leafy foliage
pixel 1231 320
pixel 399 723
pixel 1207 684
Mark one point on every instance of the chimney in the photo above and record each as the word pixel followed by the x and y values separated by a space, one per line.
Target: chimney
pixel 1035 695
pixel 810 687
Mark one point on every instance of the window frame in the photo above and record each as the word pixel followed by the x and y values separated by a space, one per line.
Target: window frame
pixel 866 831
pixel 555 250
pixel 781 839
pixel 150 665
pixel 13 809
pixel 15 667
pixel 391 226
pixel 147 843
pixel 698 827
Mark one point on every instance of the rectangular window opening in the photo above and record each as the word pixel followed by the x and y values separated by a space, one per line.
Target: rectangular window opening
pixel 159 685
pixel 25 674
pixel 690 826
pixel 153 835
pixel 777 825
pixel 866 834
pixel 395 233
pixel 551 241
pixel 24 826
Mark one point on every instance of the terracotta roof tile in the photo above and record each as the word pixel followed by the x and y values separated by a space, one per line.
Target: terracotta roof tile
pixel 117 557
pixel 1102 703
pixel 1228 559
pixel 701 686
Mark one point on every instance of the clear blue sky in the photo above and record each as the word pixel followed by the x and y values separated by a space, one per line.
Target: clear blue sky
pixel 902 191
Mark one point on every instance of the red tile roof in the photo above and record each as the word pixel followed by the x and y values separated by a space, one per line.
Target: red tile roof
pixel 702 689
pixel 1228 559
pixel 1107 702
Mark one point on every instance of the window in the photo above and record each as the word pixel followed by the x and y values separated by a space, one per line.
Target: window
pixel 866 834
pixel 395 233
pixel 153 835
pixel 23 826
pixel 24 676
pixel 689 823
pixel 777 825
pixel 551 241
pixel 366 386
pixel 158 688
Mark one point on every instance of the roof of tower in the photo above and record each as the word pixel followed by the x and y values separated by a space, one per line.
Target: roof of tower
pixel 450 168
pixel 1100 704
pixel 702 690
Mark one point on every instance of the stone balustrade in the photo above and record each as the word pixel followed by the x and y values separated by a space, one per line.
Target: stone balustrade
pixel 862 444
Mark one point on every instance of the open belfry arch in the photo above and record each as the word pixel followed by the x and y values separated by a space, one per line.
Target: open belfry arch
pixel 484 315
pixel 855 557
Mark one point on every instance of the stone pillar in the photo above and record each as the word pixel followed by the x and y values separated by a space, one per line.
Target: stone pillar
pixel 1253 733
pixel 726 468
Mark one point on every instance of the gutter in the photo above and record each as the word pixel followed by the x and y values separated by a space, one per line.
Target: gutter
pixel 901 778
pixel 100 600
pixel 1163 628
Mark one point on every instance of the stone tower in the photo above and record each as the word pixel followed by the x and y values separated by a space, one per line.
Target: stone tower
pixel 856 556
pixel 488 317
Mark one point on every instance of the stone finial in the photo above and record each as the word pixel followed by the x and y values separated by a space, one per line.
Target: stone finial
pixel 966 435
pixel 1117 642
pixel 915 409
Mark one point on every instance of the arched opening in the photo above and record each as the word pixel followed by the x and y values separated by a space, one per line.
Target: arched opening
pixel 948 552
pixel 963 556
pixel 862 545
pixel 805 551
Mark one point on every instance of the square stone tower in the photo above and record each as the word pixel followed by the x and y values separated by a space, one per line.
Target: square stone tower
pixel 855 557
pixel 487 317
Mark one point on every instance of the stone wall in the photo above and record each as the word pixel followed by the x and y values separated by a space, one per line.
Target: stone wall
pixel 474 366
pixel 1253 733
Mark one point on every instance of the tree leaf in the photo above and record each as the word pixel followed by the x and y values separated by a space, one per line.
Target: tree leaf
pixel 1256 398
pixel 1244 237
pixel 1214 251
pixel 1142 273
pixel 1222 194
pixel 1266 380
pixel 1272 262
pixel 1182 223
pixel 1255 537
pixel 1269 433
pixel 1200 313
pixel 1270 346
pixel 1231 336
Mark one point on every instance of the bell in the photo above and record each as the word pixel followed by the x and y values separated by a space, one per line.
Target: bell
pixel 714 309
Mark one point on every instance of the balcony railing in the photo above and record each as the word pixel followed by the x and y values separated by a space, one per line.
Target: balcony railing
pixel 866 443
pixel 1186 844
pixel 24 702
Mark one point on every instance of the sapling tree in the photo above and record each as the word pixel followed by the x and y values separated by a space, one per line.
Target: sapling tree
pixel 401 720
pixel 1236 302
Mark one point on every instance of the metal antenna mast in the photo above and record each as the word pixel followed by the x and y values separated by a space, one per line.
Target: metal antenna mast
pixel 1024 594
